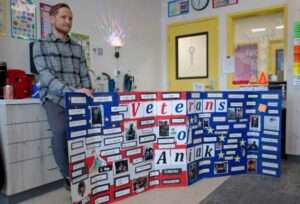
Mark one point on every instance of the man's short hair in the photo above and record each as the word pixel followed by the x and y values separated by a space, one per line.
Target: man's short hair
pixel 54 9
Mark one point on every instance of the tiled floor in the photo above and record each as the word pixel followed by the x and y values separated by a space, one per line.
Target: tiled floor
pixel 189 195
pixel 249 188
pixel 252 189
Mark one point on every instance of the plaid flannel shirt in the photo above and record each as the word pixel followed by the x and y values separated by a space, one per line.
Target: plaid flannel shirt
pixel 61 66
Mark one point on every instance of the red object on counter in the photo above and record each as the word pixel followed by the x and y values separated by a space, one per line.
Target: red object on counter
pixel 21 82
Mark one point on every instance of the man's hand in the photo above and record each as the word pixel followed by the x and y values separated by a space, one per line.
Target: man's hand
pixel 85 91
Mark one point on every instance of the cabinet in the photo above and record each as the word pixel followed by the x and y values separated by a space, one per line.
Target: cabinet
pixel 25 141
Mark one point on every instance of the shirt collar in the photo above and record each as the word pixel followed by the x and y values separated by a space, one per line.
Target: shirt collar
pixel 52 37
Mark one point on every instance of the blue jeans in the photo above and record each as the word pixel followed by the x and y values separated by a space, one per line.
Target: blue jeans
pixel 57 121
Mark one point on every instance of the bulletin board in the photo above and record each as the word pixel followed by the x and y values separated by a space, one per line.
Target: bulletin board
pixel 123 144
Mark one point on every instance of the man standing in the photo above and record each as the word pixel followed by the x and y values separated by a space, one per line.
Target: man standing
pixel 61 65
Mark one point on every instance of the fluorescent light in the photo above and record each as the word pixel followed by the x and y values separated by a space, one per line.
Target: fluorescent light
pixel 279 27
pixel 255 30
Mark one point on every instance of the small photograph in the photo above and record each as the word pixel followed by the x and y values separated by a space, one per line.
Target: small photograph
pixel 254 122
pixel 205 122
pixel 164 128
pixel 231 114
pixel 173 132
pixel 80 192
pixel 149 153
pixel 221 167
pixel 97 116
pixel 121 167
pixel 272 123
pixel 239 113
pixel 140 184
pixel 251 165
pixel 193 171
pixel 81 189
pixel 253 144
pixel 200 124
pixel 130 131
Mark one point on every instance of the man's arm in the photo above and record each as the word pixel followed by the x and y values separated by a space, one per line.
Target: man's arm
pixel 84 75
pixel 46 73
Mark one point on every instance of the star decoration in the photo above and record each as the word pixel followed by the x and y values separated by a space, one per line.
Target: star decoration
pixel 222 138
pixel 221 155
pixel 242 143
pixel 237 159
pixel 210 130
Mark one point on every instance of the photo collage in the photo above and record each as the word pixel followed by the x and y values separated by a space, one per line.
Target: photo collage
pixel 122 144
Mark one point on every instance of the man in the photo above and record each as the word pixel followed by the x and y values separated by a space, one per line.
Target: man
pixel 61 65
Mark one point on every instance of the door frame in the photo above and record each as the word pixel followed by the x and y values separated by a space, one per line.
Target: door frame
pixel 250 13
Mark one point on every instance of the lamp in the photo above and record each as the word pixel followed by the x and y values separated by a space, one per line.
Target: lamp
pixel 117 43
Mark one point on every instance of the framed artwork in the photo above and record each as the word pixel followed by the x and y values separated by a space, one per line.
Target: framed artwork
pixel 178 7
pixel 222 3
pixel 192 56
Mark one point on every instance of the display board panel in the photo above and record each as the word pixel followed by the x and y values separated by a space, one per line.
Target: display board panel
pixel 122 144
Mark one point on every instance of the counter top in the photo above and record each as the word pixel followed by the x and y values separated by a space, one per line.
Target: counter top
pixel 19 101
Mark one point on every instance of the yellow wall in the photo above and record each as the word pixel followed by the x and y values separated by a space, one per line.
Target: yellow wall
pixel 209 25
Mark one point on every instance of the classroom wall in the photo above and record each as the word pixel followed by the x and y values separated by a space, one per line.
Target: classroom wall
pixel 293 92
pixel 140 54
pixel 144 53
pixel 209 11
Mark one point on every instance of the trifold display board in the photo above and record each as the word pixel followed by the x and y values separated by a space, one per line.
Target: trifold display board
pixel 122 144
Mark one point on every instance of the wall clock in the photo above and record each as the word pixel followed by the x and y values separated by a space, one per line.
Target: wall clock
pixel 199 5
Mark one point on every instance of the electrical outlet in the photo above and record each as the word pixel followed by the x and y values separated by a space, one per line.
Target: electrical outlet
pixel 98 51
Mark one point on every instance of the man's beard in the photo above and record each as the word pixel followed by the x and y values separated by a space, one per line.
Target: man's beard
pixel 62 30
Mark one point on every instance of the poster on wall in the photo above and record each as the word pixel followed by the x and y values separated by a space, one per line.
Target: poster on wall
pixel 23 19
pixel 296 34
pixel 84 41
pixel 45 19
pixel 3 24
pixel 245 63
pixel 222 3
pixel 178 7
